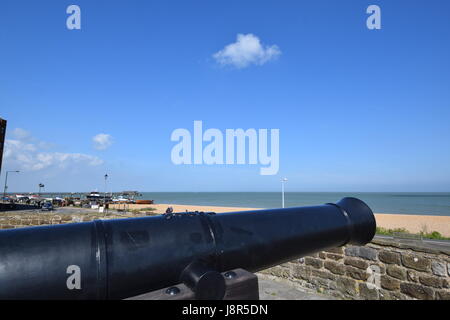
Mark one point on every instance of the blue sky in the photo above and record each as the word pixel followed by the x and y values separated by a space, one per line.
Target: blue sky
pixel 357 109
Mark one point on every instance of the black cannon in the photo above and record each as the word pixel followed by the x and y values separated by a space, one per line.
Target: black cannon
pixel 116 259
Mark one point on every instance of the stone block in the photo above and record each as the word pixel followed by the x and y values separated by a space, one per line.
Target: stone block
pixel 417 291
pixel 389 283
pixel 430 281
pixel 392 295
pixel 389 257
pixel 368 293
pixel 412 276
pixel 335 257
pixel 378 268
pixel 323 274
pixel 348 286
pixel 337 250
pixel 334 267
pixel 446 283
pixel 301 272
pixel 355 262
pixel 361 252
pixel 396 272
pixel 316 263
pixel 416 262
pixel 320 282
pixel 356 273
pixel 443 295
pixel 438 268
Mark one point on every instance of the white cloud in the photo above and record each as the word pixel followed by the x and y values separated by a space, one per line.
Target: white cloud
pixel 102 141
pixel 245 51
pixel 21 154
pixel 21 134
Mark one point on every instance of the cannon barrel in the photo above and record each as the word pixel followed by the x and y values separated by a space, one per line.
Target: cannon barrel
pixel 115 259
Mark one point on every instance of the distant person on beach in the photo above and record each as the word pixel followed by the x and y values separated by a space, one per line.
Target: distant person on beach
pixel 169 210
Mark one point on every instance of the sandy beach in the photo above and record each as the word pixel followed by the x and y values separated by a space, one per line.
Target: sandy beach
pixel 161 208
pixel 412 223
pixel 415 223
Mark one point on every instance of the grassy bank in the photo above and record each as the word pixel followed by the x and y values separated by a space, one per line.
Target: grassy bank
pixel 401 231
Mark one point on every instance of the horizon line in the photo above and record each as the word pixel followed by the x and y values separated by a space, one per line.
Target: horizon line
pixel 273 191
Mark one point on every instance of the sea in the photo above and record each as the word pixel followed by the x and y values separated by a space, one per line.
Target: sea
pixel 380 202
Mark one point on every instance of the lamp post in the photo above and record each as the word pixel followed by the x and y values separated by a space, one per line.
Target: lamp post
pixel 282 191
pixel 41 185
pixel 6 181
pixel 104 198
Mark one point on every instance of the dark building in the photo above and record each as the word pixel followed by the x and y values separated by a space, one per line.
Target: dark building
pixel 2 140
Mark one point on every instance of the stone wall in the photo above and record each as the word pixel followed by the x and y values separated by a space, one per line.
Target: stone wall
pixel 383 269
pixel 15 221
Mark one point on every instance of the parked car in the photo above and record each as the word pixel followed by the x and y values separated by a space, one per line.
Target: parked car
pixel 47 206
